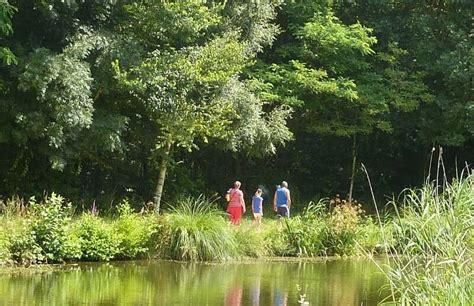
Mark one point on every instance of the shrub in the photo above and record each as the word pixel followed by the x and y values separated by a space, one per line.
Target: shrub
pixel 98 239
pixel 134 231
pixel 341 233
pixel 50 221
pixel 373 239
pixel 4 244
pixel 23 248
pixel 72 244
pixel 299 236
pixel 197 231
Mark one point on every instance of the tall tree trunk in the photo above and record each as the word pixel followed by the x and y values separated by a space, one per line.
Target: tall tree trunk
pixel 354 158
pixel 237 166
pixel 161 176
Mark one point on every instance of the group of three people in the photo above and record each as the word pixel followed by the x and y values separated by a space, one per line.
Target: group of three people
pixel 236 203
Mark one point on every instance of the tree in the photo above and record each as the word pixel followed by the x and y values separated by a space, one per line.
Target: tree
pixel 188 85
pixel 88 100
pixel 332 74
pixel 6 12
pixel 180 92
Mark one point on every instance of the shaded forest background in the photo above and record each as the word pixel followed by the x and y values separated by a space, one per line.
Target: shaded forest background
pixel 96 96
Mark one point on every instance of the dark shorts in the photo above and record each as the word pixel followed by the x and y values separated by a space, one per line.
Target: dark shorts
pixel 283 211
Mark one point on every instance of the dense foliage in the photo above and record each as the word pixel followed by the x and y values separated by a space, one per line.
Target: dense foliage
pixel 105 99
pixel 49 232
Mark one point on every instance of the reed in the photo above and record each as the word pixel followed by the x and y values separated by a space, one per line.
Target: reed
pixel 433 233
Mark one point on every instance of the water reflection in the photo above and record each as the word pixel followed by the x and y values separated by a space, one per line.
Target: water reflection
pixel 280 297
pixel 255 292
pixel 233 296
pixel 340 282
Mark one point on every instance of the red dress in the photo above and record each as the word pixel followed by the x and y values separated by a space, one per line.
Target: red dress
pixel 234 208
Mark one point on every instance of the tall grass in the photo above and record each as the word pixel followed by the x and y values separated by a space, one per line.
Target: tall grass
pixel 434 235
pixel 196 230
pixel 252 240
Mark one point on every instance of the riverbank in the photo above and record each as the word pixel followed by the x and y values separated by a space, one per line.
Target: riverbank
pixel 195 230
pixel 433 227
pixel 12 270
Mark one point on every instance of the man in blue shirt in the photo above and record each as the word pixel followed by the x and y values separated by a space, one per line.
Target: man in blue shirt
pixel 282 200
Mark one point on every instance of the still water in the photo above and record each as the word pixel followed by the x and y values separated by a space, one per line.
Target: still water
pixel 334 282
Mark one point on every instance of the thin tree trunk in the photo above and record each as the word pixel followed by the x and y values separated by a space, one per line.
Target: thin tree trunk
pixel 237 166
pixel 161 176
pixel 354 158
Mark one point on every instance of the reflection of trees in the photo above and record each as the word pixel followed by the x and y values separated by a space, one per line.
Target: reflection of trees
pixel 169 283
pixel 123 283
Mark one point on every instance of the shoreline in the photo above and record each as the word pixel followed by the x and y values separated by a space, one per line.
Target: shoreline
pixel 47 268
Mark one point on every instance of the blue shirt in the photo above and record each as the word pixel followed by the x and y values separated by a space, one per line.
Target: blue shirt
pixel 256 201
pixel 281 199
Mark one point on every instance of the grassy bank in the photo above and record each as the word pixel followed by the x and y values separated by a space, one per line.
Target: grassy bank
pixel 194 230
pixel 430 234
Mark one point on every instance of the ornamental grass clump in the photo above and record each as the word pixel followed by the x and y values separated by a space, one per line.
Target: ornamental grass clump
pixel 4 241
pixel 434 230
pixel 4 247
pixel 195 230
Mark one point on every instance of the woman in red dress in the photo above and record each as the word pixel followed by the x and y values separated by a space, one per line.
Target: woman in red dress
pixel 236 206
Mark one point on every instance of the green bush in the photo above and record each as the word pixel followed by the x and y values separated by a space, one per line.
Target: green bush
pixel 135 232
pixel 98 239
pixel 50 221
pixel 304 236
pixel 4 244
pixel 315 232
pixel 22 243
pixel 197 231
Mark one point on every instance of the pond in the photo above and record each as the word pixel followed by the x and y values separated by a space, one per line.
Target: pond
pixel 330 282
